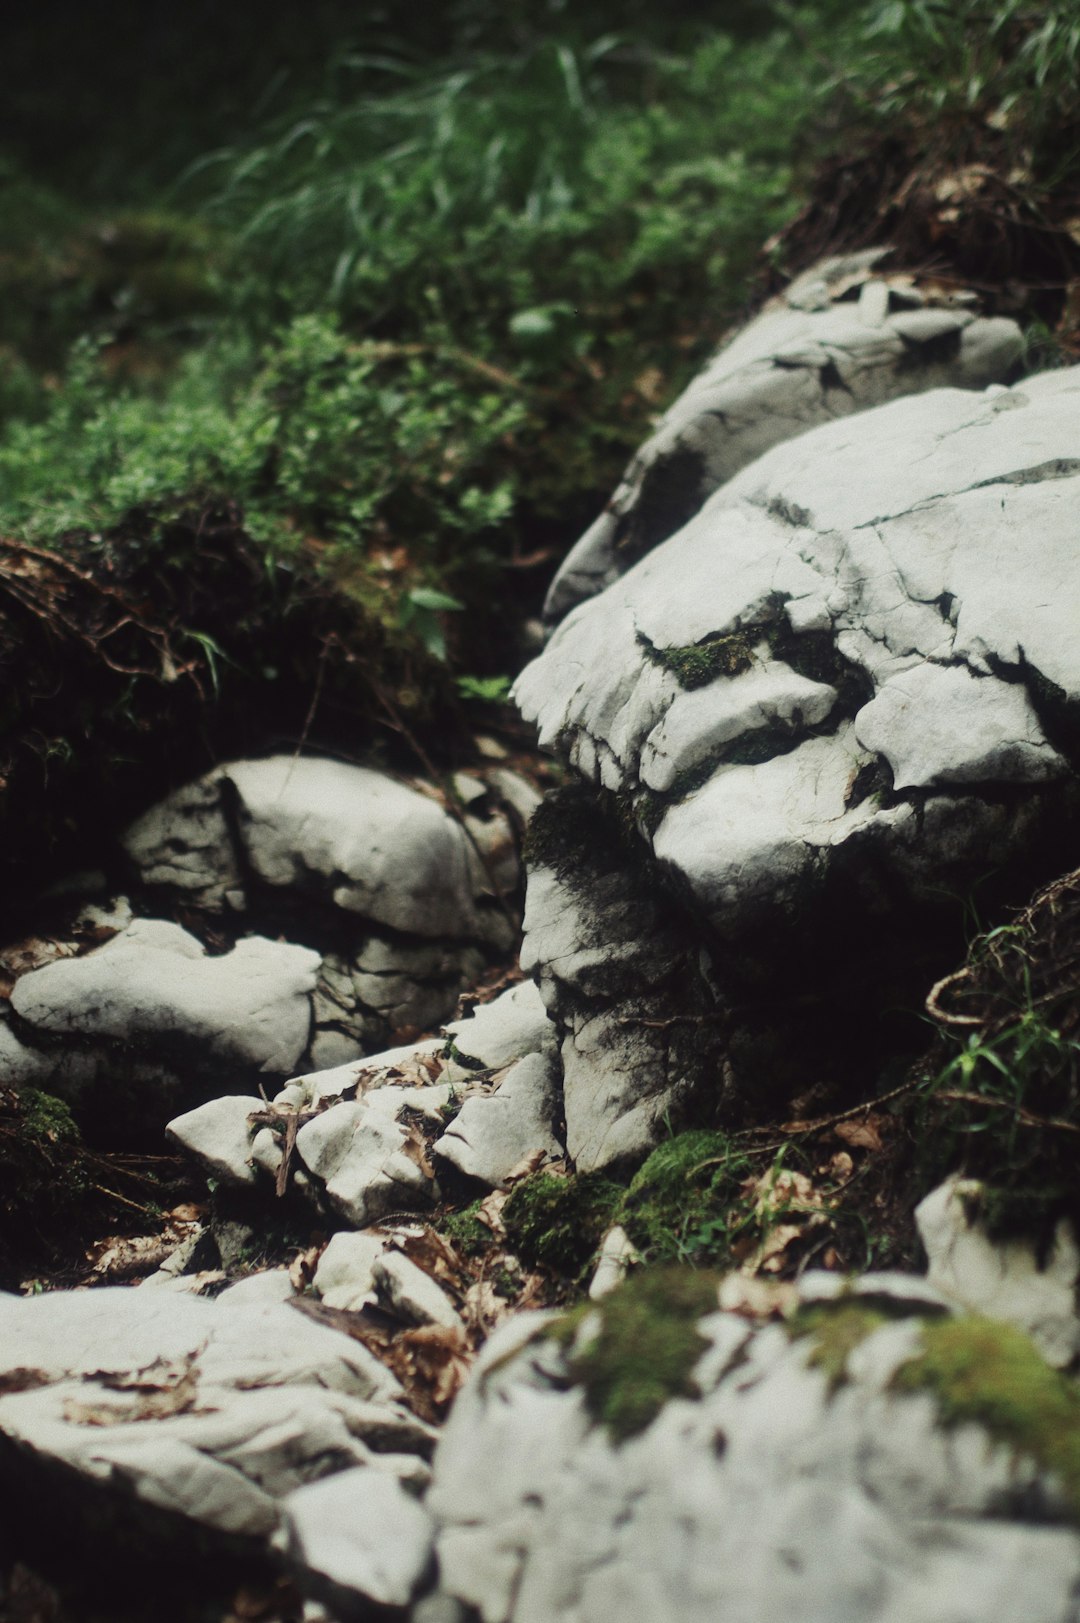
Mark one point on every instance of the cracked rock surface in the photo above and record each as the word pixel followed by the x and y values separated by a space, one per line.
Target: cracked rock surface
pixel 207 1409
pixel 865 639
pixel 840 339
pixel 777 1492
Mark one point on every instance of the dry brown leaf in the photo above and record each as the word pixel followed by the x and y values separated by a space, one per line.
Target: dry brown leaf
pixel 525 1167
pixel 861 1134
pixel 840 1167
pixel 415 1146
pixel 129 1257
pixel 161 1389
pixel 22 1380
pixel 432 1362
pixel 302 1267
pixel 489 1212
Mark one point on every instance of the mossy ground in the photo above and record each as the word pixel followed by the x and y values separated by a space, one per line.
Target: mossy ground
pixel 643 1348
pixel 993 1374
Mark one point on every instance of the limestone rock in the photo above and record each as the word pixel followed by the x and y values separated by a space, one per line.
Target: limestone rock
pixel 1002 1279
pixel 493 1132
pixel 154 988
pixel 512 1025
pixel 810 357
pixel 617 1254
pixel 359 1151
pixel 219 1135
pixel 775 1493
pixel 345 1275
pixel 362 1537
pixel 412 1294
pixel 201 1408
pixel 365 842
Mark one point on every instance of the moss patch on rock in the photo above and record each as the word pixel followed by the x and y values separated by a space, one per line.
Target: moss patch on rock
pixel 697 664
pixel 834 1332
pixel 644 1347
pixel 991 1373
pixel 559 1222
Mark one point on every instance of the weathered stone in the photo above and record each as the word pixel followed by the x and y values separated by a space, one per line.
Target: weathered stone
pixel 219 1134
pixel 493 1132
pixel 344 1277
pixel 616 1255
pixel 204 1408
pixel 363 1536
pixel 359 1152
pixel 810 357
pixel 512 1025
pixel 1004 1279
pixel 779 1491
pixel 154 987
pixel 412 1294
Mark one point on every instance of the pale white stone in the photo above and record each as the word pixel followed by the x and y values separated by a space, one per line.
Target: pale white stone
pixel 944 724
pixel 509 1027
pixel 344 1277
pixel 773 1494
pixel 273 1400
pixel 363 1532
pixel 382 849
pixel 1002 1279
pixel 356 1150
pixel 806 359
pixel 153 982
pixel 411 1293
pixel 617 1254
pixel 219 1134
pixel 271 1285
pixel 698 723
pixel 493 1132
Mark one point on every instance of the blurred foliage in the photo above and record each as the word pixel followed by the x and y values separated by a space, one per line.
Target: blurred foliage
pixel 407 305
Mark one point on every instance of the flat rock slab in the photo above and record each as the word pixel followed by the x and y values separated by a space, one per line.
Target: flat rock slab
pixel 494 1132
pixel 777 1493
pixel 362 1537
pixel 206 1409
pixel 154 987
pixel 842 338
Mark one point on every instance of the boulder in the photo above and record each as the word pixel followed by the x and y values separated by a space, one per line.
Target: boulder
pixel 347 837
pixel 207 1411
pixel 155 996
pixel 359 1538
pixel 807 1470
pixel 842 338
pixel 844 688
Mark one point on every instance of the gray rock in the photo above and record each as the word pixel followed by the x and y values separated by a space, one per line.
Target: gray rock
pixel 412 1294
pixel 345 1275
pixel 154 987
pixel 512 1025
pixel 616 1256
pixel 358 1152
pixel 219 1135
pixel 1002 1279
pixel 363 1535
pixel 775 1493
pixel 206 1409
pixel 808 358
pixel 493 1132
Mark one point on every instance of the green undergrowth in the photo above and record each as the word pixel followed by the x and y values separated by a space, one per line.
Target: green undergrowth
pixel 635 1349
pixel 698 664
pixel 559 1222
pixel 999 1095
pixel 991 1373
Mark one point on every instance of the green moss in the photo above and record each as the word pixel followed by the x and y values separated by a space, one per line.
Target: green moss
pixel 698 664
pixel 682 1204
pixel 44 1116
pixel 645 1347
pixel 835 1331
pixel 985 1371
pixel 559 1222
pixel 465 1231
